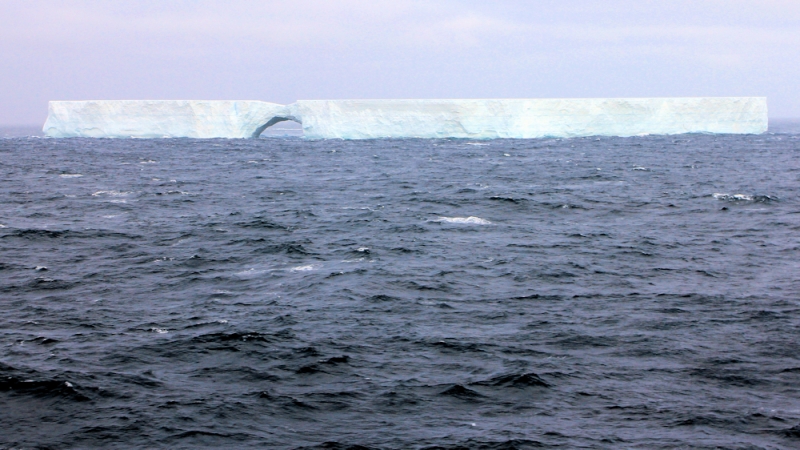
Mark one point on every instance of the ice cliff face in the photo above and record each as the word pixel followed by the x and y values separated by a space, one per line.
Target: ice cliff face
pixel 528 118
pixel 371 119
pixel 160 118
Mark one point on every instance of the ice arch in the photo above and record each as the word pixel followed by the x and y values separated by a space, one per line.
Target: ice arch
pixel 273 121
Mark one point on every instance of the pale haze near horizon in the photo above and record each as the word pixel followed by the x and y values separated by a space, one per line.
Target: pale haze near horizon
pixel 282 51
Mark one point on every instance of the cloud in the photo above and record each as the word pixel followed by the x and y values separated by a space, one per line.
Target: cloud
pixel 283 50
pixel 367 24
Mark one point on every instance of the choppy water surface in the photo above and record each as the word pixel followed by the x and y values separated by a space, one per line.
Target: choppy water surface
pixel 585 293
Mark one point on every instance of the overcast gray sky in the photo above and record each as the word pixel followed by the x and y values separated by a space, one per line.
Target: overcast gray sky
pixel 281 51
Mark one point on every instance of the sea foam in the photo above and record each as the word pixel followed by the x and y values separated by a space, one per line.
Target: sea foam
pixel 471 220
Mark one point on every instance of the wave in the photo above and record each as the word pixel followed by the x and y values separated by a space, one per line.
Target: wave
pixel 39 233
pixel 471 220
pixel 461 392
pixel 42 388
pixel 111 194
pixel 514 380
pixel 744 198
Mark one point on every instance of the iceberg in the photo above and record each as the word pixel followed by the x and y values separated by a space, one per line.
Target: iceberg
pixel 160 118
pixel 429 118
pixel 528 118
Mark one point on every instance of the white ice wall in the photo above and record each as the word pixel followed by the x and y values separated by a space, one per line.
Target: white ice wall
pixel 368 119
pixel 158 118
pixel 528 118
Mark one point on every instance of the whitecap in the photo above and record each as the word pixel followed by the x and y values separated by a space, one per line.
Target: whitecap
pixel 253 272
pixel 159 330
pixel 303 268
pixel 70 175
pixel 746 198
pixel 111 193
pixel 732 197
pixel 353 260
pixel 472 220
pixel 363 208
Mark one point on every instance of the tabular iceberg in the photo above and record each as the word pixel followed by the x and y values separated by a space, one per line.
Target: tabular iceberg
pixel 160 118
pixel 528 118
pixel 374 119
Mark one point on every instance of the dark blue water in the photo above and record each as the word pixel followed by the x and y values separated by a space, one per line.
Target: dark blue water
pixel 281 293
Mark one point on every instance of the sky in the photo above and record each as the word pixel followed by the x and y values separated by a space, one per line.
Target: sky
pixel 282 51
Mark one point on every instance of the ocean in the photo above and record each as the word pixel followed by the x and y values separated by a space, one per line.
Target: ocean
pixel 400 294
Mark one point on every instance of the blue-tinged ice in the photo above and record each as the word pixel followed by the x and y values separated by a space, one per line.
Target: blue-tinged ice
pixel 528 118
pixel 376 119
pixel 159 118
